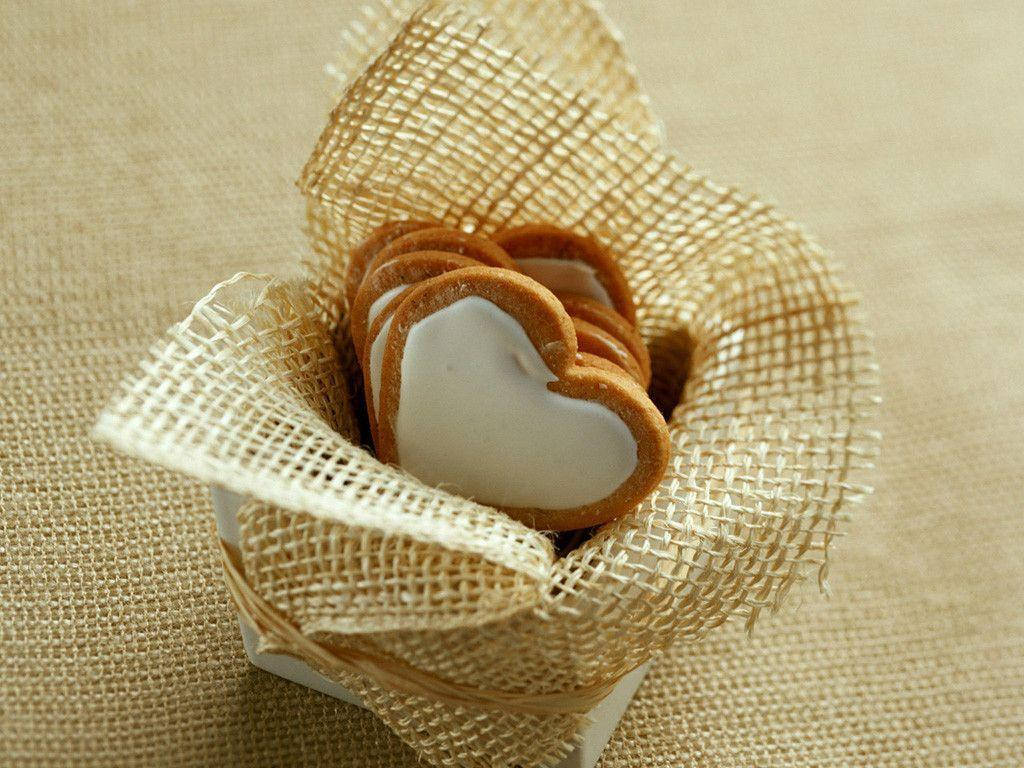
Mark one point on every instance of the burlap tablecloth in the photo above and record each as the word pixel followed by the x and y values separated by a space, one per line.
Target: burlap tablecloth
pixel 149 150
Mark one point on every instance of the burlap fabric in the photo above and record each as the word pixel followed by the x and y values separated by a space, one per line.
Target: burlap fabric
pixel 117 645
pixel 509 645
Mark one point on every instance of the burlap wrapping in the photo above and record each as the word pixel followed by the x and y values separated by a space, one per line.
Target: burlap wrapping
pixel 569 41
pixel 255 391
pixel 150 153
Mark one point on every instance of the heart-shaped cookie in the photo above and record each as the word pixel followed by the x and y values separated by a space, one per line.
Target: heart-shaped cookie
pixel 385 281
pixel 597 341
pixel 485 251
pixel 587 360
pixel 564 261
pixel 609 320
pixel 481 392
pixel 376 340
pixel 379 239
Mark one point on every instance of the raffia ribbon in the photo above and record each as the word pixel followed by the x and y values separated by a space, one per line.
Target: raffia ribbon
pixel 388 673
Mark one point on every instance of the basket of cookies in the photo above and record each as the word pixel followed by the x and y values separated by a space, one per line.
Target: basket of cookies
pixel 540 401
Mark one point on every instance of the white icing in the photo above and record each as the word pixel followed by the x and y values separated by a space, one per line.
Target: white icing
pixel 566 275
pixel 475 416
pixel 382 301
pixel 376 359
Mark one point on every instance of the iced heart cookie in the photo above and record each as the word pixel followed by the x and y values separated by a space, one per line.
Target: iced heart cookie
pixel 376 338
pixel 596 341
pixel 373 355
pixel 483 250
pixel 564 261
pixel 611 321
pixel 386 281
pixel 360 257
pixel 480 393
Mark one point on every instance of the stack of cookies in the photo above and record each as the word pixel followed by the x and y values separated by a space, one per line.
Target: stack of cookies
pixel 508 370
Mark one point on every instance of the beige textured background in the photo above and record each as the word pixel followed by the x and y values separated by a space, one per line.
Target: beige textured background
pixel 149 150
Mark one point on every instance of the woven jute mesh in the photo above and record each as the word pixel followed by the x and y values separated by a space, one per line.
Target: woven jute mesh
pixel 570 41
pixel 759 358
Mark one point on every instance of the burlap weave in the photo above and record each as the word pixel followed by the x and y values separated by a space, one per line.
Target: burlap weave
pixel 117 647
pixel 770 435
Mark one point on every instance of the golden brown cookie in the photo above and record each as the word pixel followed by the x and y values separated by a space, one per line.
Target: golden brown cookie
pixel 387 280
pixel 608 319
pixel 361 256
pixel 587 360
pixel 448 240
pixel 566 262
pixel 480 393
pixel 373 353
pixel 596 341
